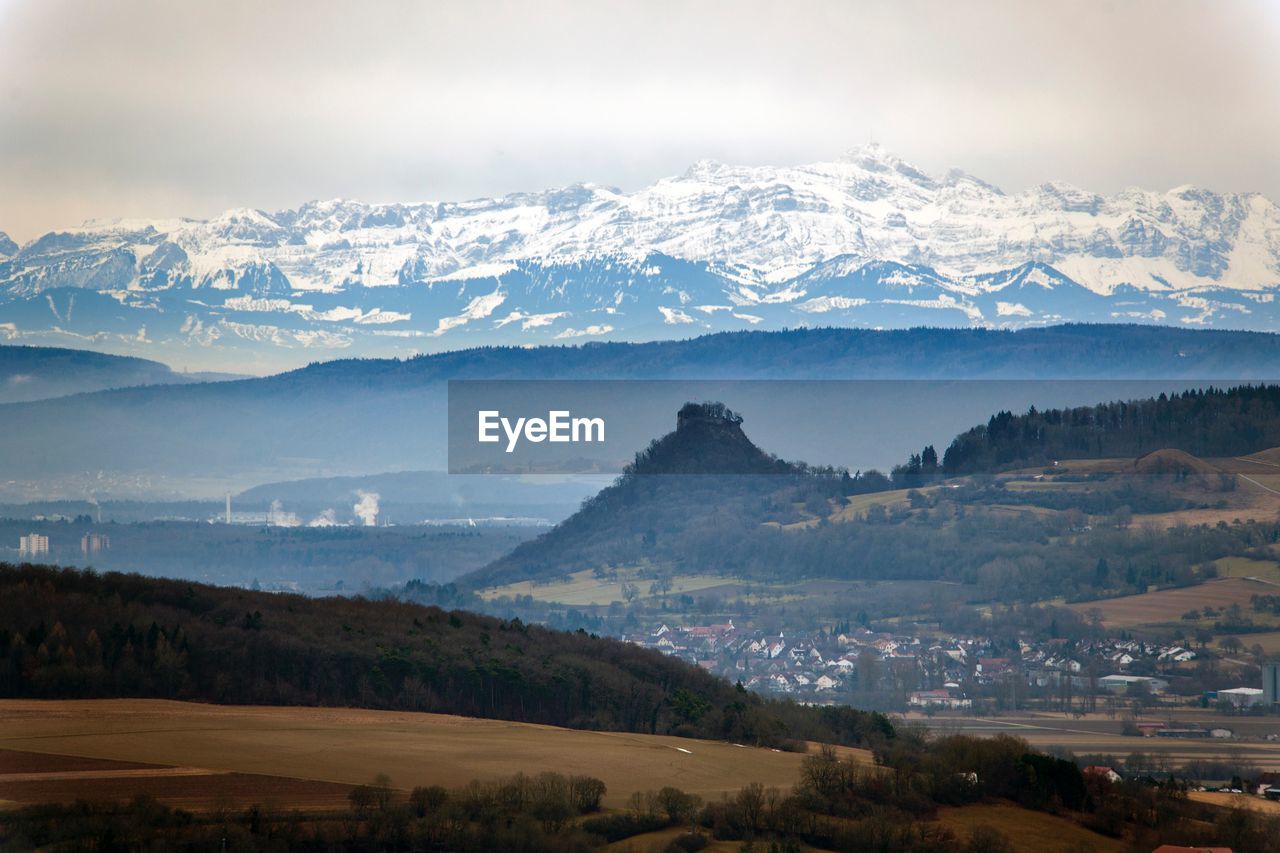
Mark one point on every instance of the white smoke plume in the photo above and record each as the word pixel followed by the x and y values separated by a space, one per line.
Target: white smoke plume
pixel 328 518
pixel 367 509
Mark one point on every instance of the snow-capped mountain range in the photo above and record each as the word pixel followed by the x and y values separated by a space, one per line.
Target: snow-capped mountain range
pixel 865 240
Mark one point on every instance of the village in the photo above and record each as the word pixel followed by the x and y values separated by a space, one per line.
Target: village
pixel 896 672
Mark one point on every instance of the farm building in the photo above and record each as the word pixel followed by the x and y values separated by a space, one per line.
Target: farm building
pixel 1102 772
pixel 937 699
pixel 1124 683
pixel 1242 697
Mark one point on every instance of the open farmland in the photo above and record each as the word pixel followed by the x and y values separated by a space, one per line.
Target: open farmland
pixel 1269 458
pixel 1168 605
pixel 1246 567
pixel 757 597
pixel 854 507
pixel 1217 489
pixel 1027 830
pixel 30 778
pixel 1236 801
pixel 349 746
pixel 1268 640
pixel 584 588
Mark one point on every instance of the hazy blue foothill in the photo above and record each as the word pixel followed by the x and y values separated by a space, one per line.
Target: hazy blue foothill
pixel 38 373
pixel 356 417
pixel 547 303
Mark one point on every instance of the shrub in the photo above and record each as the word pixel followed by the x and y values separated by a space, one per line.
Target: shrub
pixel 688 842
pixel 988 839
pixel 586 793
pixel 425 801
pixel 616 827
pixel 678 806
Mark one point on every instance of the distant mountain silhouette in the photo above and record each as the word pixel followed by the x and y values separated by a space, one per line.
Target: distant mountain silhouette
pixel 356 416
pixel 40 373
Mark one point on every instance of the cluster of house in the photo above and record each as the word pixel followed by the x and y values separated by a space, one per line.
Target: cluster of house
pixel 937 674
pixel 1048 663
pixel 1121 653
pixel 788 663
pixel 815 665
pixel 1263 785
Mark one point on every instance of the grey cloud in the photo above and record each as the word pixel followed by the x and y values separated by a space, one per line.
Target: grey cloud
pixel 153 109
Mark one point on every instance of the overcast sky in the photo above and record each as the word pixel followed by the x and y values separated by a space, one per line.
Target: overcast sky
pixel 118 108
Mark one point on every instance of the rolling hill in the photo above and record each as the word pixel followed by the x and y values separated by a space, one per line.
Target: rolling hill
pixel 353 417
pixel 702 473
pixel 704 500
pixel 353 745
pixel 1179 466
pixel 70 634
pixel 39 373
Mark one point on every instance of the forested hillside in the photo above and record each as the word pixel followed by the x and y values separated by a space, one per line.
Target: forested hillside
pixel 967 536
pixel 1082 351
pixel 71 634
pixel 1212 422
pixel 728 516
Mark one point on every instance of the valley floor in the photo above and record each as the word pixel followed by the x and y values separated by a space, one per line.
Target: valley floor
pixel 1099 733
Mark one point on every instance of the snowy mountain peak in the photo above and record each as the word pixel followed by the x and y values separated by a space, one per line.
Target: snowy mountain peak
pixel 961 178
pixel 874 157
pixel 867 238
pixel 702 169
pixel 871 155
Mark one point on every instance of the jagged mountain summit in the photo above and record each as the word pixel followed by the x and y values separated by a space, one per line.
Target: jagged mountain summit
pixel 865 240
pixel 708 439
